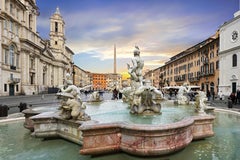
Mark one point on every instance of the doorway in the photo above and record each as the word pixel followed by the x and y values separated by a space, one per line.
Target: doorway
pixel 11 89
pixel 234 87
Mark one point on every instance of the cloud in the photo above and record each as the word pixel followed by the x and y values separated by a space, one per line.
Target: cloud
pixel 159 31
pixel 155 35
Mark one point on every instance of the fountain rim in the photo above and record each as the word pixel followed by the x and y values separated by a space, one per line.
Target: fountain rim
pixel 6 119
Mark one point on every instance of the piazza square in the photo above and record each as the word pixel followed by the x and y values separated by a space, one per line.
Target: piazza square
pixel 119 80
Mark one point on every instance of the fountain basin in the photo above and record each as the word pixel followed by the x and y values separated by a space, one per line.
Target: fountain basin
pixel 225 144
pixel 113 129
pixel 144 140
pixel 50 124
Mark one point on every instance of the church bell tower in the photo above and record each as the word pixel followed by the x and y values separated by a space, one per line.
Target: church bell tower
pixel 57 33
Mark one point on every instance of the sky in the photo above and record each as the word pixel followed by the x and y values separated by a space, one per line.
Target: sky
pixel 160 28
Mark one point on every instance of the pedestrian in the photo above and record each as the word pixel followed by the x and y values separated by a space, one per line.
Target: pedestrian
pixel 238 96
pixel 115 94
pixel 233 97
pixel 208 95
pixel 213 95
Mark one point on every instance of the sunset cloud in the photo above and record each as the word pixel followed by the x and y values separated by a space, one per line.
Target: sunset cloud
pixel 161 29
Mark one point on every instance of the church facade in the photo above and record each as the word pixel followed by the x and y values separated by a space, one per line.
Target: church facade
pixel 28 64
pixel 229 56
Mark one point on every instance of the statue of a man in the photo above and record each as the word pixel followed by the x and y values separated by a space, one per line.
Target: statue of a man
pixel 137 65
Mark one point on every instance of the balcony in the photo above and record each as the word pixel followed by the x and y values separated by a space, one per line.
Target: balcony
pixel 194 79
pixel 207 73
pixel 206 61
pixel 14 80
pixel 179 79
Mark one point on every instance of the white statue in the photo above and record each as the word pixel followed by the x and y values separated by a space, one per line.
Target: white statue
pixel 135 70
pixel 71 105
pixel 142 99
pixel 95 97
pixel 182 97
pixel 146 98
pixel 201 98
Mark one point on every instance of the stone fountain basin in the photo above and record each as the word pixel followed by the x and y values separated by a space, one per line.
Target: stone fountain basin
pixel 104 134
pixel 144 140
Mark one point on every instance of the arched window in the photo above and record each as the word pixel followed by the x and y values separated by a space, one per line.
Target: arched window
pixel 12 56
pixel 234 60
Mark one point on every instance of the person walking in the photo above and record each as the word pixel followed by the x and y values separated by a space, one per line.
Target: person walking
pixel 238 96
pixel 208 95
pixel 233 98
pixel 213 95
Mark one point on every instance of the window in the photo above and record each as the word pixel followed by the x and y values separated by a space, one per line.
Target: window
pixel 11 26
pixel 211 54
pixel 30 19
pixel 11 8
pixel 6 57
pixel 11 50
pixel 55 42
pixel 212 67
pixel 32 78
pixel 32 63
pixel 5 87
pixel 17 88
pixel 17 60
pixel 56 26
pixel 17 29
pixel 234 60
pixel 17 13
pixel 217 64
pixel 44 78
pixel 5 24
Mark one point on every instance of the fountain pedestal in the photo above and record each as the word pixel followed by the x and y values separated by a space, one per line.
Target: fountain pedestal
pixel 50 124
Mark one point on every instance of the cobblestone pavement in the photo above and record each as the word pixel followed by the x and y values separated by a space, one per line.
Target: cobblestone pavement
pixel 42 100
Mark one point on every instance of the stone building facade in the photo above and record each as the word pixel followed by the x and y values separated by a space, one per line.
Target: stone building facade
pixel 198 65
pixel 229 55
pixel 81 78
pixel 29 64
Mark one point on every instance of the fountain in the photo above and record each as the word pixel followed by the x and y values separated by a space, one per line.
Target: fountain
pixel 223 145
pixel 98 137
pixel 141 139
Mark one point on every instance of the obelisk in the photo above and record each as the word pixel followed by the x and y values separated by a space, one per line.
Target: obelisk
pixel 115 63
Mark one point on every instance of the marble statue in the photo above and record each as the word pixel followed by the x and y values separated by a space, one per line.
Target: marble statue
pixel 200 105
pixel 135 70
pixel 146 99
pixel 72 106
pixel 95 97
pixel 141 96
pixel 182 97
pixel 126 94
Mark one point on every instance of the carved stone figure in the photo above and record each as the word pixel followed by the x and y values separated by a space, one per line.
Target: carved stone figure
pixel 71 105
pixel 95 97
pixel 146 99
pixel 135 70
pixel 142 99
pixel 200 105
pixel 182 95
